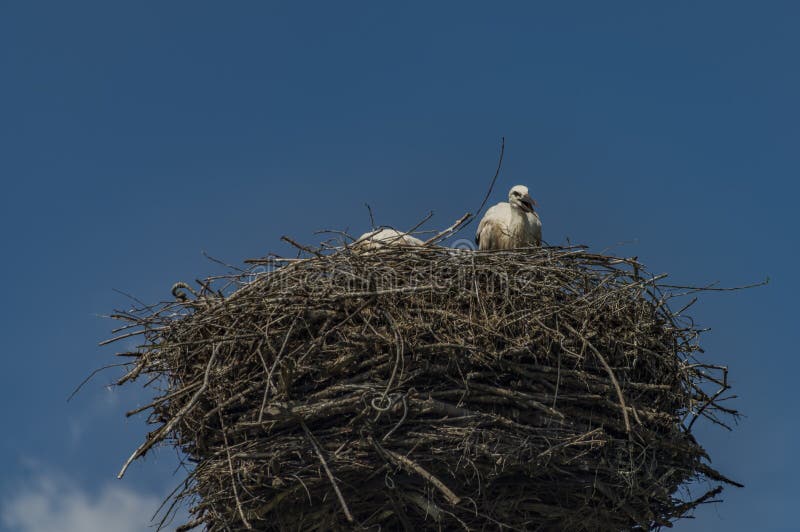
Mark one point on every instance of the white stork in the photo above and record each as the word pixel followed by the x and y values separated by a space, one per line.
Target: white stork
pixel 510 225
pixel 386 236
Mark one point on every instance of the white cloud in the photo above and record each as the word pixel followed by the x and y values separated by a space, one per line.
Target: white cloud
pixel 49 504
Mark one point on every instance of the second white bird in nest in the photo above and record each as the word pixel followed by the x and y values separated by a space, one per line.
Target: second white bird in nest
pixel 510 225
pixel 385 237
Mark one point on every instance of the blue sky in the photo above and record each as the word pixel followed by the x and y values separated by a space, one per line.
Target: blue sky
pixel 133 136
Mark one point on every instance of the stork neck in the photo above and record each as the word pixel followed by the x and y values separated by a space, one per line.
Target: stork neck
pixel 519 211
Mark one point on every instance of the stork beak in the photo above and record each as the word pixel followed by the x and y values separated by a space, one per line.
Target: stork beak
pixel 529 202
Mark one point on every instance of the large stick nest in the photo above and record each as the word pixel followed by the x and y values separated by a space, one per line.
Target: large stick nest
pixel 428 388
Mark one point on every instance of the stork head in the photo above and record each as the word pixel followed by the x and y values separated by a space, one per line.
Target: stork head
pixel 518 197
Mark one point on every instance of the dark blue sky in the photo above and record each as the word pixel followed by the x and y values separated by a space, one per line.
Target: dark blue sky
pixel 135 135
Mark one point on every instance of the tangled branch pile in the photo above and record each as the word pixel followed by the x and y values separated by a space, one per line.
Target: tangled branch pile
pixel 430 388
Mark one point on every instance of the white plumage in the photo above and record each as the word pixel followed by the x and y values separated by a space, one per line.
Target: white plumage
pixel 385 237
pixel 510 225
